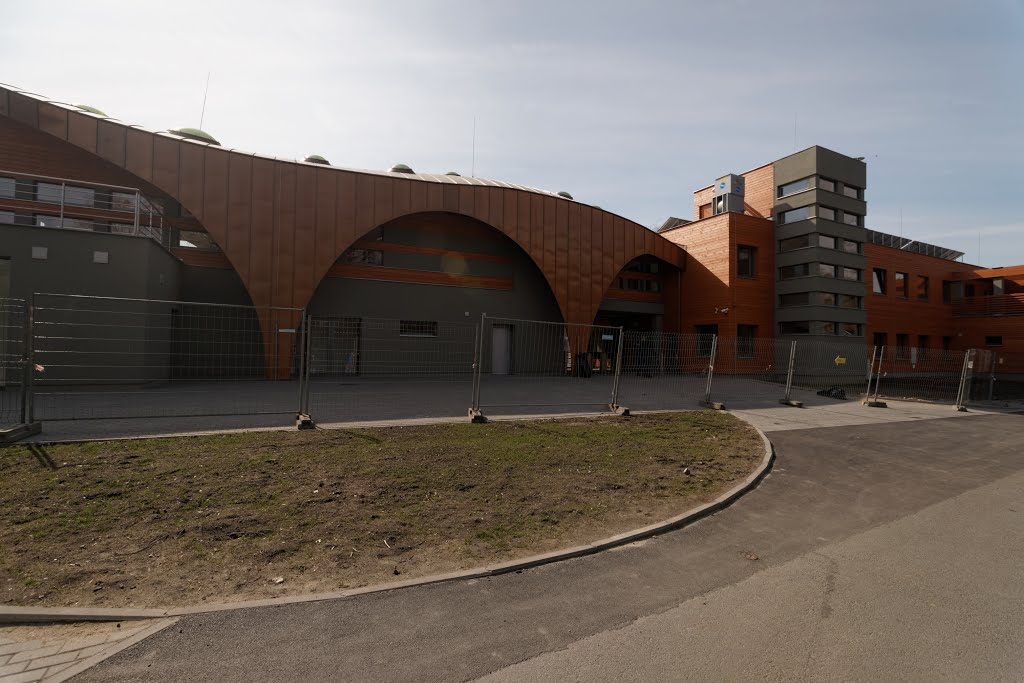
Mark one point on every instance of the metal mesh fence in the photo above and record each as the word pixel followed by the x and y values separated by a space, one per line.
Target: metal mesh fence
pixel 750 371
pixel 906 373
pixel 363 369
pixel 663 371
pixel 827 371
pixel 997 376
pixel 105 357
pixel 12 363
pixel 529 366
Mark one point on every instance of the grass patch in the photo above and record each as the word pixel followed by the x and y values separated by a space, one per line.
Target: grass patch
pixel 216 518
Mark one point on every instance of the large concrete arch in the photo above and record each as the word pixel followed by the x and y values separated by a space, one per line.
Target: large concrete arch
pixel 282 224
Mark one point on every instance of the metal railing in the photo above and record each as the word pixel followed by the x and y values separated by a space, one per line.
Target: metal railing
pixel 983 306
pixel 70 204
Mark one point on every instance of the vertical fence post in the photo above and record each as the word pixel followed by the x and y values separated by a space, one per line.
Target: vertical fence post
pixel 789 373
pixel 871 372
pixel 28 381
pixel 874 402
pixel 962 394
pixel 135 230
pixel 618 369
pixel 478 370
pixel 303 324
pixel 309 364
pixel 711 371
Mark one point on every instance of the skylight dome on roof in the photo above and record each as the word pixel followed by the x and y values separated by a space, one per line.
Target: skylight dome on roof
pixel 195 134
pixel 92 110
pixel 316 159
pixel 565 194
pixel 401 168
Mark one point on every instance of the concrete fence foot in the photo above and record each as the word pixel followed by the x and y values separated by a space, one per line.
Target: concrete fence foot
pixel 619 410
pixel 477 417
pixel 19 432
pixel 713 405
pixel 795 404
pixel 303 421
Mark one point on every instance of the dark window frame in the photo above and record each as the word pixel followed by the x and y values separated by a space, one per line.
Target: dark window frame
pixel 752 259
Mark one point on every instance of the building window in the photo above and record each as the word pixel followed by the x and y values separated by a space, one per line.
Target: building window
pixel 994 340
pixel 850 247
pixel 903 346
pixel 947 343
pixel 745 335
pixel 794 243
pixel 851 191
pixel 8 187
pixel 363 257
pixel 825 298
pixel 851 218
pixel 6 216
pixel 878 280
pixel 851 330
pixel 826 241
pixel 826 213
pixel 849 301
pixel 922 345
pixel 797 327
pixel 922 288
pixel 797 299
pixel 745 261
pixel 826 184
pixel 122 201
pixel 794 187
pixel 417 328
pixel 823 327
pixel 880 339
pixel 52 193
pixel 850 274
pixel 901 286
pixel 101 257
pixel 947 292
pixel 705 339
pixel 40 253
pixel 794 215
pixel 826 270
pixel 790 272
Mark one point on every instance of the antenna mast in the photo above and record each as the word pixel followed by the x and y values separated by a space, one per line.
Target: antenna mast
pixel 202 115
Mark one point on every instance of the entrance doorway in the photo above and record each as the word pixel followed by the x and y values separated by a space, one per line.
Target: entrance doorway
pixel 501 350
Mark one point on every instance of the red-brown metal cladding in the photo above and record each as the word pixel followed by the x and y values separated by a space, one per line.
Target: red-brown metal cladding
pixel 283 224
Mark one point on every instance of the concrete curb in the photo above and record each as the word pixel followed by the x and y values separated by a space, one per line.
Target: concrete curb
pixel 62 614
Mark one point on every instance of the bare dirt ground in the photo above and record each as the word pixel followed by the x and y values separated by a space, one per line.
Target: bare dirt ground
pixel 168 522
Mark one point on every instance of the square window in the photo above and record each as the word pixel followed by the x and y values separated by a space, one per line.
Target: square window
pixel 851 218
pixel 101 257
pixel 826 184
pixel 745 335
pixel 901 286
pixel 40 253
pixel 826 213
pixel 850 274
pixel 851 191
pixel 826 241
pixel 745 257
pixel 826 270
pixel 878 280
pixel 851 330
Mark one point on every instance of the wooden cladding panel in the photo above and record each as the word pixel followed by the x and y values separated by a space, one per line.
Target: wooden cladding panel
pixel 239 218
pixel 261 248
pixel 165 164
pixel 191 183
pixel 304 231
pixel 561 255
pixel 53 120
pixel 138 158
pixel 572 250
pixel 82 132
pixel 284 236
pixel 110 142
pixel 430 251
pixel 25 110
pixel 215 198
pixel 326 215
pixel 345 226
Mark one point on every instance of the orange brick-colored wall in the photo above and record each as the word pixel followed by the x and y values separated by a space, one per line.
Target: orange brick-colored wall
pixel 759 195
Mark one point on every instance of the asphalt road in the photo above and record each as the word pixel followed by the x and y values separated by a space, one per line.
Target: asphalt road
pixel 884 551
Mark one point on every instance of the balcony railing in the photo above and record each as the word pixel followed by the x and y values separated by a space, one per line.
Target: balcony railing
pixel 71 204
pixel 980 306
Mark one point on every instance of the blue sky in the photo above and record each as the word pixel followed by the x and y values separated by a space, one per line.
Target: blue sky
pixel 630 106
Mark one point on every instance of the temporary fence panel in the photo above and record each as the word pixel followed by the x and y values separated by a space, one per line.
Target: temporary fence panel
pixel 664 371
pixel 366 369
pixel 917 374
pixel 12 363
pixel 828 371
pixel 105 357
pixel 530 366
pixel 998 376
pixel 751 371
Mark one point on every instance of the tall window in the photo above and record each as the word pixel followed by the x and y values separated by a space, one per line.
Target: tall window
pixel 878 280
pixel 880 339
pixel 745 335
pixel 947 343
pixel 902 345
pixel 901 285
pixel 922 287
pixel 947 292
pixel 745 257
pixel 922 345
